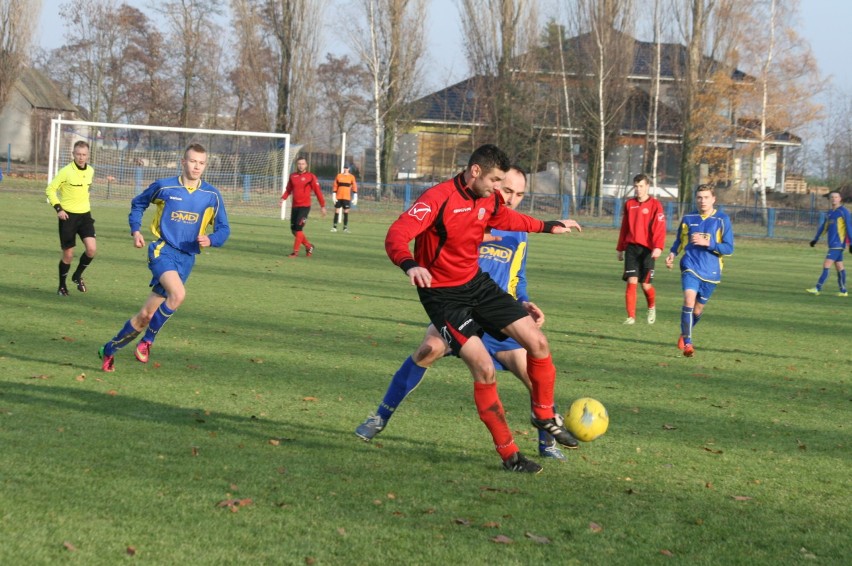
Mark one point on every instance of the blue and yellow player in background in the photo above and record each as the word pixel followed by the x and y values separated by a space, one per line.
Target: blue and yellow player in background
pixel 185 207
pixel 504 259
pixel 704 236
pixel 837 226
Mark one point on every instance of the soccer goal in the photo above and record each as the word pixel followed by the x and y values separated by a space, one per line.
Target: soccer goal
pixel 250 169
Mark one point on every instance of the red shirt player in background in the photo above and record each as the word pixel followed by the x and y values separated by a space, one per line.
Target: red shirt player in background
pixel 300 185
pixel 640 243
pixel 447 224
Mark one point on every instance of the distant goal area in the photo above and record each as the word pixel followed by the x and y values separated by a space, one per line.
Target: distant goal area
pixel 248 168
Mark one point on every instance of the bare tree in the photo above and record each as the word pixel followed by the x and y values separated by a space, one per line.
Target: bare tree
pixel 602 60
pixel 342 85
pixel 781 100
pixel 195 33
pixel 390 45
pixel 253 76
pixel 500 40
pixel 705 82
pixel 17 24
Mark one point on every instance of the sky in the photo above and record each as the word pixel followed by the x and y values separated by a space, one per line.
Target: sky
pixel 824 23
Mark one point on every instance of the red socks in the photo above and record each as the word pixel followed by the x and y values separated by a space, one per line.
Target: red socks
pixel 542 374
pixel 297 243
pixel 630 299
pixel 651 295
pixel 492 415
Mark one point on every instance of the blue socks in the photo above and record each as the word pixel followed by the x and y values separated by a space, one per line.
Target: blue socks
pixel 124 337
pixel 686 323
pixel 157 321
pixel 404 381
pixel 822 279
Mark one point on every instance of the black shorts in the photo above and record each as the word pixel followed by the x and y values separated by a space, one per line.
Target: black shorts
pixel 343 203
pixel 478 306
pixel 298 217
pixel 78 224
pixel 638 263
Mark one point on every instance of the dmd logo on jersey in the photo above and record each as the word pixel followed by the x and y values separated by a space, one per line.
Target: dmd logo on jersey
pixel 181 216
pixel 419 210
pixel 495 253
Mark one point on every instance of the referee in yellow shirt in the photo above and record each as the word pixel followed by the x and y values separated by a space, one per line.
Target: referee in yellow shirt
pixel 68 194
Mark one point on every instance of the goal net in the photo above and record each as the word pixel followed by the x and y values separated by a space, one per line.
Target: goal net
pixel 248 168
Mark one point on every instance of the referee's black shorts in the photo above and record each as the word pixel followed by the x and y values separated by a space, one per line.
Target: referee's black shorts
pixel 638 263
pixel 478 306
pixel 78 224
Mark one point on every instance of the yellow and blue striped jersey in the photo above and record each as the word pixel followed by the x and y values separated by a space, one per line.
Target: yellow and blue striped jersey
pixel 72 184
pixel 182 214
pixel 506 261
pixel 837 226
pixel 705 262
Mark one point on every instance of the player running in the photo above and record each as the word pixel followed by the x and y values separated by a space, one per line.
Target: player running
pixel 186 207
pixel 504 259
pixel 447 224
pixel 704 236
pixel 837 226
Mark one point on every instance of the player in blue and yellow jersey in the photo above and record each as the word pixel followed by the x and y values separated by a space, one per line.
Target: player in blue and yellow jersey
pixel 504 258
pixel 68 194
pixel 837 226
pixel 704 236
pixel 186 206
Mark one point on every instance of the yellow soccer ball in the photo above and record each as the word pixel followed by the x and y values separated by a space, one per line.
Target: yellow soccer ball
pixel 587 419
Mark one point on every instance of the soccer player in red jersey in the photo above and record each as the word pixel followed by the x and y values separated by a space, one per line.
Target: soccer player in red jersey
pixel 640 243
pixel 447 224
pixel 301 183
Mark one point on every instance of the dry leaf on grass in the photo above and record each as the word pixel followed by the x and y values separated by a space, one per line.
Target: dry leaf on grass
pixel 502 539
pixel 740 497
pixel 68 546
pixel 595 528
pixel 235 504
pixel 537 538
pixel 665 552
pixel 463 522
pixel 131 551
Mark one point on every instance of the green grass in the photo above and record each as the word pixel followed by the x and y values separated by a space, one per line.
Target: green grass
pixel 740 455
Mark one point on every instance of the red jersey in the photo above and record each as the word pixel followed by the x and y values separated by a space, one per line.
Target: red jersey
pixel 300 186
pixel 447 224
pixel 642 223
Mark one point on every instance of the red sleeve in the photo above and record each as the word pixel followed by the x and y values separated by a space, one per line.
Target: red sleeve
pixel 414 221
pixel 622 235
pixel 317 190
pixel 289 189
pixel 658 227
pixel 507 219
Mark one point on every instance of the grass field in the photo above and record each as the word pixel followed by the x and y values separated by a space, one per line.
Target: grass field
pixel 235 444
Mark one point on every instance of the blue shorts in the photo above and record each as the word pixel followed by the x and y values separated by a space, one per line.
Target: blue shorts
pixel 493 346
pixel 691 282
pixel 161 258
pixel 835 255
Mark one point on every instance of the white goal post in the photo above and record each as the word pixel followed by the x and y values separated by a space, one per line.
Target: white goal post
pixel 250 169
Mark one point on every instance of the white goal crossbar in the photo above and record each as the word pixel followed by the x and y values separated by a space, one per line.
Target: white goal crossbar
pixel 249 168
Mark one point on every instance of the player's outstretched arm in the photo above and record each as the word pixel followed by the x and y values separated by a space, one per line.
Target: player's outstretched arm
pixel 561 226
